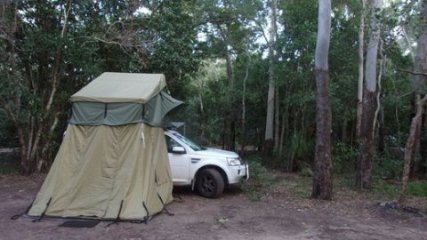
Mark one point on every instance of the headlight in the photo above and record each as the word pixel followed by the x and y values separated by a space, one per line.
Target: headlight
pixel 233 161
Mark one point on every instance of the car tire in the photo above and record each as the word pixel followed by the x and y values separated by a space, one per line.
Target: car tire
pixel 210 183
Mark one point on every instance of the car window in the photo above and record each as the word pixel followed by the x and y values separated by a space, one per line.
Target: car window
pixel 171 143
pixel 188 142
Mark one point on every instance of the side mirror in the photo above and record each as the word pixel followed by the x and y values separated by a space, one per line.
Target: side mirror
pixel 178 150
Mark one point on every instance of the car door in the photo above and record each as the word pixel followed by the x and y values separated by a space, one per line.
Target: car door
pixel 179 162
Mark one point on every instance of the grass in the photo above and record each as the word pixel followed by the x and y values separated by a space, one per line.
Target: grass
pixel 303 187
pixel 388 189
pixel 416 188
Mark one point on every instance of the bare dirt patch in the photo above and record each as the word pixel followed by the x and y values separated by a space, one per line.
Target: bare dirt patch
pixel 282 212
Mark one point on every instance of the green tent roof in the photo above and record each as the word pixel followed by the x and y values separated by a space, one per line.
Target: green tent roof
pixel 112 87
pixel 122 98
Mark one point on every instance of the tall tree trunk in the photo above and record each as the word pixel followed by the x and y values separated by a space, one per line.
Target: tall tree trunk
pixel 379 121
pixel 409 149
pixel 369 105
pixel 344 130
pixel 322 179
pixel 381 132
pixel 420 83
pixel 361 70
pixel 269 122
pixel 243 121
pixel 284 128
pixel 229 119
pixel 276 121
pixel 422 163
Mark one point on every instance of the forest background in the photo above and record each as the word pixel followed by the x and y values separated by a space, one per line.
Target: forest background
pixel 245 70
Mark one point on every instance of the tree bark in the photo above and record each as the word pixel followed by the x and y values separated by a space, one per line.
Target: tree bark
pixel 322 178
pixel 271 98
pixel 422 164
pixel 229 119
pixel 243 121
pixel 369 104
pixel 284 128
pixel 420 82
pixel 409 149
pixel 276 122
pixel 366 149
pixel 361 69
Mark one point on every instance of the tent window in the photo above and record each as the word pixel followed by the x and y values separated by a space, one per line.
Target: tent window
pixel 121 113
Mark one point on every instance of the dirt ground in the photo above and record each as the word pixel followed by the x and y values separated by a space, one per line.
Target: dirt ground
pixel 281 213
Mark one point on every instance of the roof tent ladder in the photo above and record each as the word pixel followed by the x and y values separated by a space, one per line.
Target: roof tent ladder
pixel 44 212
pixel 118 215
pixel 148 217
pixel 164 207
pixel 14 217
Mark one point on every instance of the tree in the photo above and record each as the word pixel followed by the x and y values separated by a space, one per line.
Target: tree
pixel 171 32
pixel 49 49
pixel 360 68
pixel 420 82
pixel 271 98
pixel 322 179
pixel 369 105
pixel 226 26
pixel 31 89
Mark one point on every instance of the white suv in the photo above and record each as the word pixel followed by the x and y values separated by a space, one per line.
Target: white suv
pixel 208 170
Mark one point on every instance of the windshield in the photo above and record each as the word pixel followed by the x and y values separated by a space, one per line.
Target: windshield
pixel 190 143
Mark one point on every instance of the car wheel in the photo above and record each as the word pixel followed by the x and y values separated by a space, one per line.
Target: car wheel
pixel 210 183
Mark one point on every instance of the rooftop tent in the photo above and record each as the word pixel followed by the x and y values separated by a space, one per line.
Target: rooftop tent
pixel 113 162
pixel 122 98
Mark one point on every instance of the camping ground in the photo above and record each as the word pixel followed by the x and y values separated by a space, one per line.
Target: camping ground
pixel 276 209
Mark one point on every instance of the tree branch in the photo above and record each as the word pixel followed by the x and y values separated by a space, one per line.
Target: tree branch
pixel 412 72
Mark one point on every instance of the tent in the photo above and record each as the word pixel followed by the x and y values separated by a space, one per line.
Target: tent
pixel 113 162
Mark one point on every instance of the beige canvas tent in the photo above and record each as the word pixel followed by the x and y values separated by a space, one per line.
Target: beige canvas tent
pixel 113 162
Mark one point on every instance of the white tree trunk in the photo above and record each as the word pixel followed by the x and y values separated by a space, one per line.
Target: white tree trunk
pixel 372 51
pixel 361 69
pixel 322 178
pixel 369 104
pixel 269 123
pixel 323 36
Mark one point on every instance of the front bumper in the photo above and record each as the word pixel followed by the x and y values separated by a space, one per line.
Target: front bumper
pixel 237 173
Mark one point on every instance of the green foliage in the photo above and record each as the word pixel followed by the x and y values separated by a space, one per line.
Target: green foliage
pixel 173 39
pixel 300 149
pixel 389 164
pixel 305 171
pixel 7 131
pixel 189 41
pixel 343 157
pixel 260 179
pixel 204 103
pixel 44 57
pixel 9 163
